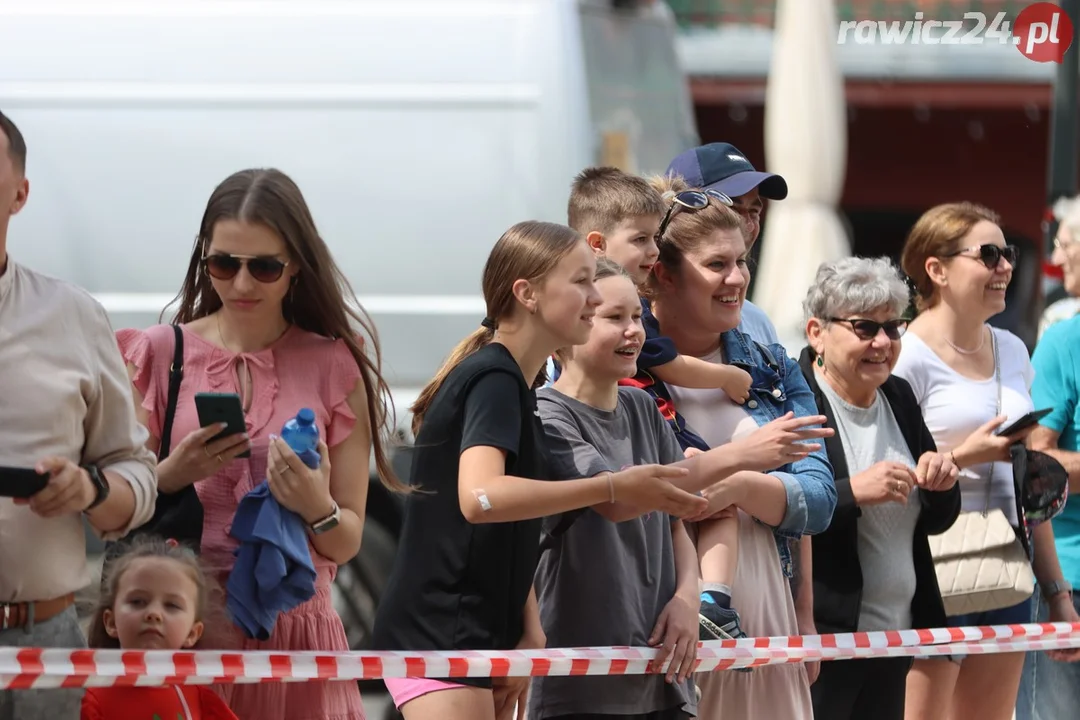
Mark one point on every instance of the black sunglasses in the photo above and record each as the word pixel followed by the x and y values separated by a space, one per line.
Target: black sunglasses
pixel 868 329
pixel 225 267
pixel 692 200
pixel 990 255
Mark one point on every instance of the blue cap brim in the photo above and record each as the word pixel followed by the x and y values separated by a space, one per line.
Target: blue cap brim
pixel 771 186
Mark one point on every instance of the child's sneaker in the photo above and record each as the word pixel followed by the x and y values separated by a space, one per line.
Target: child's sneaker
pixel 719 623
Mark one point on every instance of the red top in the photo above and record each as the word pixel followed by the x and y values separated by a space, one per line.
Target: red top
pixel 179 702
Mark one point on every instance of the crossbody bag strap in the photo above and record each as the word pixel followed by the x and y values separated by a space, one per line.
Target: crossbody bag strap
pixel 997 412
pixel 176 375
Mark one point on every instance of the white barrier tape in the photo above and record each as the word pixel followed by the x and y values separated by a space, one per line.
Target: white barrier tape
pixel 24 668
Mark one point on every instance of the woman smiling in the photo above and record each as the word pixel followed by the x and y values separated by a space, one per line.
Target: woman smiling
pixel 872 567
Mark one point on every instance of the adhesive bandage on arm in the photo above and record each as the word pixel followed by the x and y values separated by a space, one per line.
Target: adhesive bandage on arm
pixel 482 498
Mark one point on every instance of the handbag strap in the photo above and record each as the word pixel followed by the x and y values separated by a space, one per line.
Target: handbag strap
pixel 997 412
pixel 176 374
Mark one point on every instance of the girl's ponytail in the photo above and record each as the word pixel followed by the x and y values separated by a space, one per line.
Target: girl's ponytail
pixel 527 251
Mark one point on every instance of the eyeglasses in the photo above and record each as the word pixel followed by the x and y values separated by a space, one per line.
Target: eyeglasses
pixel 990 255
pixel 225 267
pixel 868 329
pixel 692 200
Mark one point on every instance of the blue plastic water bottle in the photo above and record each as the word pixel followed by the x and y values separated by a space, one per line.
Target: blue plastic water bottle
pixel 301 434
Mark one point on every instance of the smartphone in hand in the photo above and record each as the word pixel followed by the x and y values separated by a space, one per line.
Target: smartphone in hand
pixel 21 483
pixel 225 408
pixel 1025 422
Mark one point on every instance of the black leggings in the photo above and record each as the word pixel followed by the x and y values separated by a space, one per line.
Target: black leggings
pixel 857 689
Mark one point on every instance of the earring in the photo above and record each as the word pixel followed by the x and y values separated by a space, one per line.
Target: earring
pixel 821 361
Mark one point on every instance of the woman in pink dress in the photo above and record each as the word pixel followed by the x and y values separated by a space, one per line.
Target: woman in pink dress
pixel 264 314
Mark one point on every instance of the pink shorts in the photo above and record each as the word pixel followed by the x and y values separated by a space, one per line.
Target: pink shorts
pixel 405 689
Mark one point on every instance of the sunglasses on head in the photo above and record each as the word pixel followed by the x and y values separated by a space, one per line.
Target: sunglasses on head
pixel 868 329
pixel 692 200
pixel 225 267
pixel 990 255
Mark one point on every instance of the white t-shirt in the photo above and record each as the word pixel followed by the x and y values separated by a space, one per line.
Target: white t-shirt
pixel 954 406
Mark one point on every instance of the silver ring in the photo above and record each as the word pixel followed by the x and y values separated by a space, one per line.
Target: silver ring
pixel 220 459
pixel 206 450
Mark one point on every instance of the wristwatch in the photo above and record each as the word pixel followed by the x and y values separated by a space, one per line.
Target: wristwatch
pixel 101 485
pixel 327 523
pixel 1055 587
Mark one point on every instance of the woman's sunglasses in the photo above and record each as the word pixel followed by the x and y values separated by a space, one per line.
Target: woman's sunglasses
pixel 868 329
pixel 990 255
pixel 225 267
pixel 692 200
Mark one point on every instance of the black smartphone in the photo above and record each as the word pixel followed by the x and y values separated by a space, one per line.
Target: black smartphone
pixel 225 408
pixel 21 482
pixel 1025 422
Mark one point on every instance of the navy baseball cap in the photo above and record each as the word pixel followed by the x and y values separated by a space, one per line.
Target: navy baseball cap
pixel 720 166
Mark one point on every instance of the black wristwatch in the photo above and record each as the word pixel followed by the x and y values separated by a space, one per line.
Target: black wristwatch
pixel 101 485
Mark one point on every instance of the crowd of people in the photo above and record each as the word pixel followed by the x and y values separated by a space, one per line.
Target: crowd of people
pixel 621 454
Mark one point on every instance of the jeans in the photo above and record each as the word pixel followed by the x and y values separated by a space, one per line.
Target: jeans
pixel 62 631
pixel 1049 690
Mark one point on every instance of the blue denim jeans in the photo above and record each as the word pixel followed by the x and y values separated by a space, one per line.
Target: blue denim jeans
pixel 1049 690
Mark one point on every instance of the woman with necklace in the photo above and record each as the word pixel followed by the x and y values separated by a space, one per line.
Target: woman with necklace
pixel 263 314
pixel 969 378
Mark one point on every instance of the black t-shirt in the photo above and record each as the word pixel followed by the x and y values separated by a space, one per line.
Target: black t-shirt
pixel 456 585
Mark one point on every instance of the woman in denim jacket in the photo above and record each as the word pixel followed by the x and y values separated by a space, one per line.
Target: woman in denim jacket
pixel 697 290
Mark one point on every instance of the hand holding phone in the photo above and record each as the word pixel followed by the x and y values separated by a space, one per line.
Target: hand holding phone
pixel 21 483
pixel 215 408
pixel 1024 423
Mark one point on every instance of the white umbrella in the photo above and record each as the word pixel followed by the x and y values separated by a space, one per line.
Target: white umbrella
pixel 806 142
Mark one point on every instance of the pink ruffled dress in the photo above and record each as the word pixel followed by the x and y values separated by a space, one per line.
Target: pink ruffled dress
pixel 301 369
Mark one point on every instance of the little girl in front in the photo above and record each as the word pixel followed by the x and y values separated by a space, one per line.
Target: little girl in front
pixel 156 597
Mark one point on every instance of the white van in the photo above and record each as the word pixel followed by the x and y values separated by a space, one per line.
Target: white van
pixel 418 131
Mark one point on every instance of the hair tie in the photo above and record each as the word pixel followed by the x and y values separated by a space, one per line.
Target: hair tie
pixel 171 542
pixel 488 323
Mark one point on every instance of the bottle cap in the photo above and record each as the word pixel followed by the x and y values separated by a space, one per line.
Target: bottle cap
pixel 306 416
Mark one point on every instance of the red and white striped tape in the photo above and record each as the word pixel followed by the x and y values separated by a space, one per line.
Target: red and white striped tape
pixel 24 668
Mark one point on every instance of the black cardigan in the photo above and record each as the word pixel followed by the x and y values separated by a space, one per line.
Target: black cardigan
pixel 837 574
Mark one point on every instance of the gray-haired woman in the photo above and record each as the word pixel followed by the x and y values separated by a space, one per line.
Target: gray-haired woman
pixel 872 568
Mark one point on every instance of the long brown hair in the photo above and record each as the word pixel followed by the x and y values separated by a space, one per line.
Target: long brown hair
pixel 321 300
pixel 142 547
pixel 527 251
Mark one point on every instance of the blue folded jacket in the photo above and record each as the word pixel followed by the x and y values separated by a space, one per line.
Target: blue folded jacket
pixel 274 571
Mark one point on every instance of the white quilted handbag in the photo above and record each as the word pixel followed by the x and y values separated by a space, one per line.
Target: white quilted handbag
pixel 980 562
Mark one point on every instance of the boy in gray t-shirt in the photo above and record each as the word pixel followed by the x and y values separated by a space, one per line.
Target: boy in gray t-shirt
pixel 602 583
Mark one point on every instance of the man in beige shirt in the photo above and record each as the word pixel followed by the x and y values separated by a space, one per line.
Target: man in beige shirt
pixel 66 410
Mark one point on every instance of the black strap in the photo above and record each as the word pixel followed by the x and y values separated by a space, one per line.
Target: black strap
pixel 176 374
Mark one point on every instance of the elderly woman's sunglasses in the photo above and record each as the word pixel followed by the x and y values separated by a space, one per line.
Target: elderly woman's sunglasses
pixel 692 200
pixel 990 255
pixel 868 329
pixel 225 267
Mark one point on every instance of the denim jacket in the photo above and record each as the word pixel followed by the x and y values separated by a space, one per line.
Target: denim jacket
pixel 778 387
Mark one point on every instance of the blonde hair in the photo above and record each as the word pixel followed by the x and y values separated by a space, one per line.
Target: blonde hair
pixel 144 547
pixel 527 251
pixel 687 230
pixel 936 234
pixel 602 197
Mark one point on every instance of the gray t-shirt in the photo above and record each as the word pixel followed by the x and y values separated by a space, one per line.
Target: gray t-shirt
pixel 603 583
pixel 886 531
